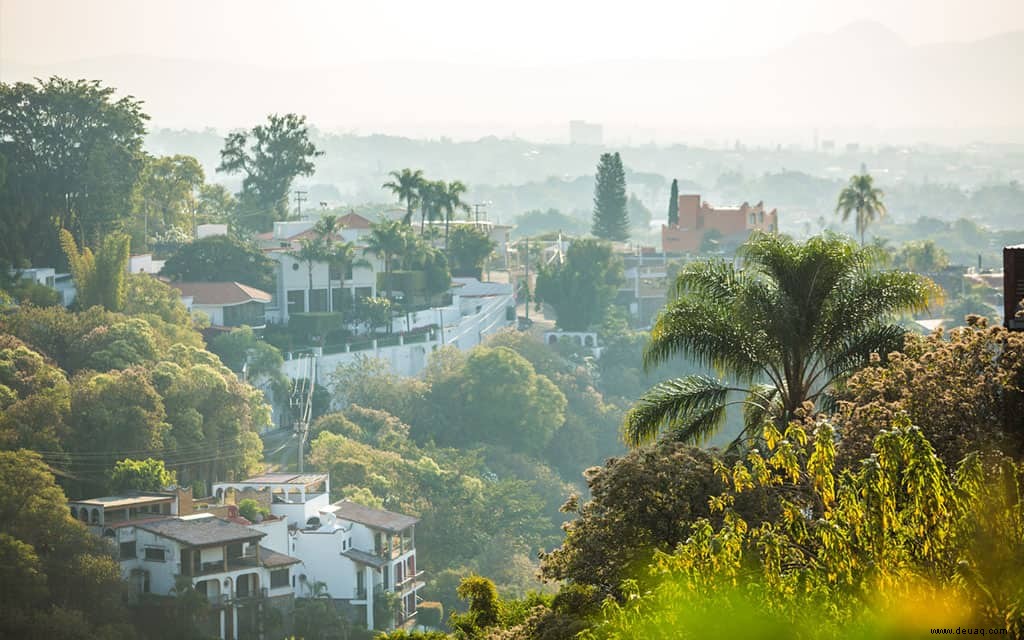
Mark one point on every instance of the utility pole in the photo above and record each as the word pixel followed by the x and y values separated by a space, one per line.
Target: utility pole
pixel 476 207
pixel 300 197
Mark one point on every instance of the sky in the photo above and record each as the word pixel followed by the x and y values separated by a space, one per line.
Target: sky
pixel 317 32
pixel 664 71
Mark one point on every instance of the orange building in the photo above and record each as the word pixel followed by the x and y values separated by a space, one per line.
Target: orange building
pixel 697 218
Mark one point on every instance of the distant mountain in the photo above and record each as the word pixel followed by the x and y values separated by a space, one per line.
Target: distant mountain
pixel 860 78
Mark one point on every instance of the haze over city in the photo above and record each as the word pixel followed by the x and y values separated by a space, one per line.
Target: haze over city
pixel 650 72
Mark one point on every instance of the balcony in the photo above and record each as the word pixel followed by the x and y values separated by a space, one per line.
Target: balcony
pixel 408 581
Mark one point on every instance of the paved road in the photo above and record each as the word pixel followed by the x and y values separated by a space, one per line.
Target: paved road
pixel 279 449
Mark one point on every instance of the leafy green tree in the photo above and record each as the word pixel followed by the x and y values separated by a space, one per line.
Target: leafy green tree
pixel 100 278
pixel 112 412
pixel 650 497
pixel 405 185
pixel 611 219
pixel 165 196
pixel 375 312
pixel 469 250
pixel 140 475
pixel 387 239
pixel 504 402
pixel 218 259
pixel 795 321
pixel 846 553
pixel 215 204
pixel 922 256
pixel 147 296
pixel 270 156
pixel 673 204
pixel 58 580
pixel 484 607
pixel 34 399
pixel 72 155
pixel 639 214
pixel 861 198
pixel 370 382
pixel 583 287
pixel 964 389
pixel 537 222
pixel 241 347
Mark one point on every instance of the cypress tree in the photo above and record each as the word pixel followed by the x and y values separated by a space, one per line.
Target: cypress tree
pixel 673 205
pixel 611 219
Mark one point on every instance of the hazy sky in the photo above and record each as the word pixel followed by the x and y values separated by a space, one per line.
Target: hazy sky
pixel 318 32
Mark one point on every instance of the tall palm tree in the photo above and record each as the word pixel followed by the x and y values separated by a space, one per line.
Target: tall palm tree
pixel 406 185
pixel 387 239
pixel 788 327
pixel 451 201
pixel 431 195
pixel 862 198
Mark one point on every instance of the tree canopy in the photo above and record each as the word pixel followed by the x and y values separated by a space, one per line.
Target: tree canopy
pixel 270 156
pixel 469 247
pixel 221 258
pixel 583 287
pixel 72 153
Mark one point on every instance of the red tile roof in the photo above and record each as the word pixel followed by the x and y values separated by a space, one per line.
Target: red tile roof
pixel 354 221
pixel 220 293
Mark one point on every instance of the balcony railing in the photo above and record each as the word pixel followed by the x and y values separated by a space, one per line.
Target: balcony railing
pixel 407 580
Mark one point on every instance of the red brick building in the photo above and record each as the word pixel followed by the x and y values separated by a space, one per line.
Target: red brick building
pixel 696 218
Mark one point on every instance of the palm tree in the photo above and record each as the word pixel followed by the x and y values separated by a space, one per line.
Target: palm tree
pixel 387 239
pixel 451 201
pixel 406 185
pixel 789 326
pixel 431 195
pixel 862 198
pixel 315 249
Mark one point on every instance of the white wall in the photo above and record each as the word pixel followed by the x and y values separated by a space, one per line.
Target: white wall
pixel 161 574
pixel 277 535
pixel 321 557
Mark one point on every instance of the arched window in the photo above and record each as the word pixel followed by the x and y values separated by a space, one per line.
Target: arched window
pixel 588 341
pixel 553 339
pixel 95 516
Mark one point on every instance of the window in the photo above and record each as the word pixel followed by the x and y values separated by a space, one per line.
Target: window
pixel 155 554
pixel 279 578
pixel 318 300
pixel 296 301
pixel 128 549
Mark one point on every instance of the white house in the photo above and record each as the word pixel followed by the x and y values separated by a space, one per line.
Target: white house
pixel 159 542
pixel 331 290
pixel 357 552
pixel 228 304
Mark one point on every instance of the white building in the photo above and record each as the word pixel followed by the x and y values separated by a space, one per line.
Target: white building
pixel 159 544
pixel 331 290
pixel 356 552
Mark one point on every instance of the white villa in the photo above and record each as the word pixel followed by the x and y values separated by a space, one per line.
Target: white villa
pixel 353 553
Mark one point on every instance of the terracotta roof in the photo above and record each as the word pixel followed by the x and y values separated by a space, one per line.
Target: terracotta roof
pixel 354 221
pixel 271 558
pixel 374 518
pixel 220 293
pixel 201 531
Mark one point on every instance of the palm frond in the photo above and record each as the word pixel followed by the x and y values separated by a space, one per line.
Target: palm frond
pixel 692 407
pixel 708 333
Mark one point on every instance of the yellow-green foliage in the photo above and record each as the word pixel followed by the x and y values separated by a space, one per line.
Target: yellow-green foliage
pixel 99 278
pixel 893 549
